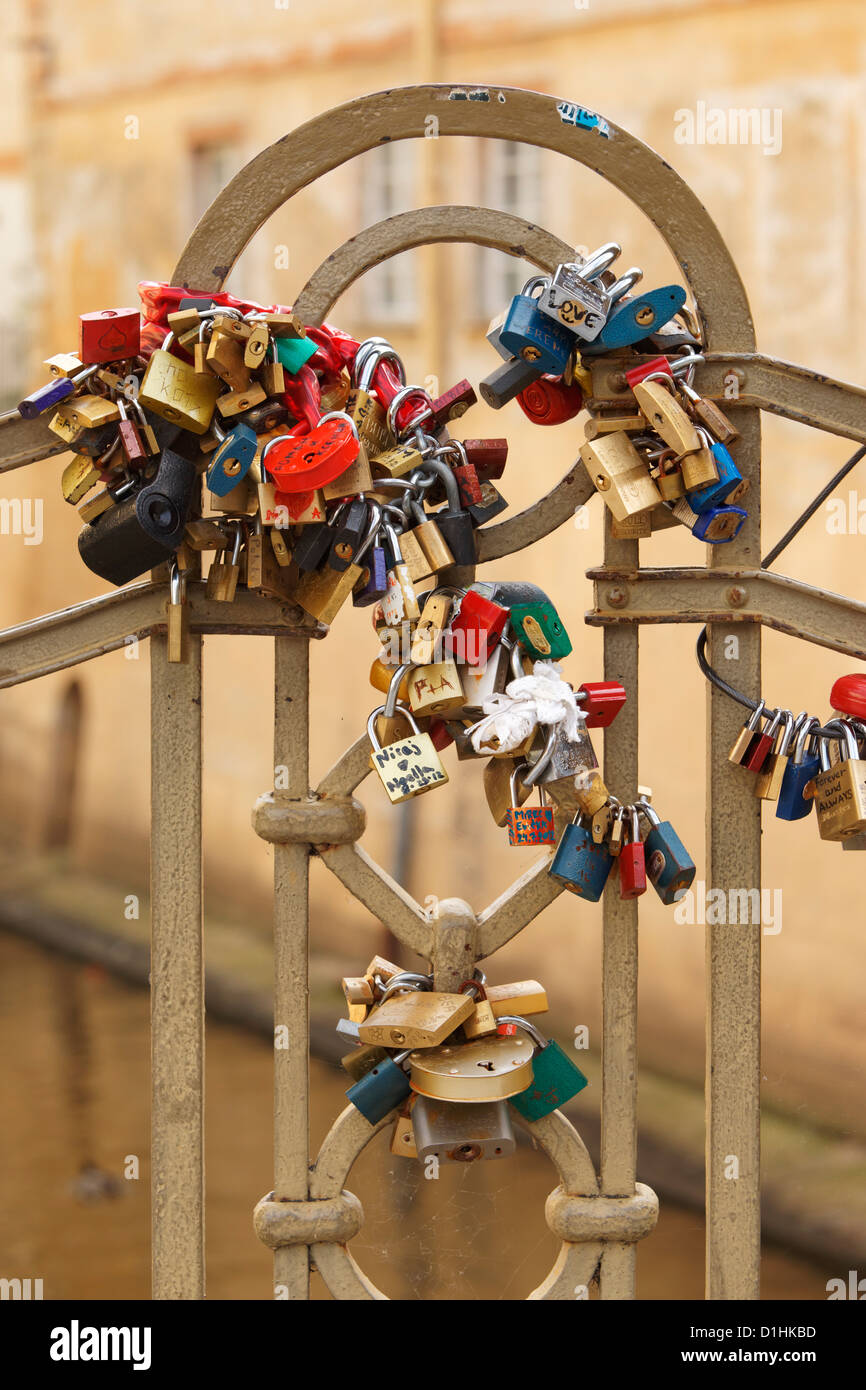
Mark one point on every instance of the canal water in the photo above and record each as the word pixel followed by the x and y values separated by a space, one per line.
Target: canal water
pixel 74 1168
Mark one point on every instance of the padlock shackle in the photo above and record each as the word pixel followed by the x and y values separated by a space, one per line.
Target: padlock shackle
pixel 534 1032
pixel 403 395
pixel 626 282
pixel 406 980
pixel 380 709
pixel 452 492
pixel 394 686
pixel 599 260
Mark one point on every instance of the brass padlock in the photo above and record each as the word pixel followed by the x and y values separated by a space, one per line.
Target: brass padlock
pixel 620 474
pixel 482 1069
pixel 840 790
pixel 665 415
pixel 410 765
pixel 172 388
pixel 498 788
pixel 416 1018
pixel 78 478
pixel 403 1137
pixel 177 615
pixel 482 1021
pixel 520 997
pixel 436 689
pixel 427 637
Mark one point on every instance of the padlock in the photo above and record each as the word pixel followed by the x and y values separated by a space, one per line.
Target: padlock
pixel 272 373
pixel 409 766
pixel 487 456
pixel 506 381
pixel 415 1018
pixel 491 504
pixel 256 346
pixel 575 302
pixel 293 353
pixel 232 403
pixel 130 440
pixel 300 463
pixel 427 639
pixel 233 458
pixel 461 1133
pixel 482 1021
pixel 756 755
pixel 840 791
pixel 772 774
pixel 78 477
pixel 717 526
pixel 539 629
pixel 632 860
pixel 454 522
pixel 481 682
pixel 555 1078
pixel 88 412
pixel 746 739
pixel 373 584
pixel 312 546
pixel 608 422
pixel 222 579
pixel 364 408
pixel 436 689
pixel 357 477
pixel 729 487
pixel 590 793
pixel 548 401
pixel 482 1069
pixel 665 415
pixel 800 772
pixel 63 364
pixel 528 825
pixel 225 355
pixel 561 760
pixel 47 396
pixel 669 867
pixel 706 412
pixel 381 1089
pixel 349 527
pixel 580 864
pixel 848 695
pixel 501 788
pixel 429 537
pixel 521 996
pixel 532 335
pixel 362 1060
pixel 600 702
pixel 116 546
pixel 400 601
pixel 322 593
pixel 634 319
pixel 174 390
pixel 699 469
pixel 109 335
pixel 620 474
pixel 475 629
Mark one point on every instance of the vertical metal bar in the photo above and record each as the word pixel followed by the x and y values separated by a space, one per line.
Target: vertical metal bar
pixel 177 975
pixel 291 960
pixel 619 960
pixel 733 1057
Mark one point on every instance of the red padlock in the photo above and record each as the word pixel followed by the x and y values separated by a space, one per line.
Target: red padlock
pixel 109 335
pixel 632 862
pixel 487 456
pixel 848 696
pixel 468 485
pixel 655 364
pixel 548 401
pixel 450 406
pixel 439 735
pixel 601 702
pixel 300 463
pixel 475 631
pixel 762 745
pixel 303 397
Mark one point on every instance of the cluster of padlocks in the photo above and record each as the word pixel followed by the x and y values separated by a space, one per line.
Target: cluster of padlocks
pixel 667 451
pixel 800 763
pixel 451 1064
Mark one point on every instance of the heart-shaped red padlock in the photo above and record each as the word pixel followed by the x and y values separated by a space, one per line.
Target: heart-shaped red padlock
pixel 548 401
pixel 302 463
pixel 848 695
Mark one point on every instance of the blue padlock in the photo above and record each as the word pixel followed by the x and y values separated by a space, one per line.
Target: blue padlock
pixel 669 866
pixel 232 460
pixel 45 397
pixel 729 485
pixel 384 1087
pixel 716 526
pixel 801 769
pixel 630 322
pixel 533 337
pixel 580 864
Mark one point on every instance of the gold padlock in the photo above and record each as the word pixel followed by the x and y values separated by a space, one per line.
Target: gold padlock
pixel 482 1069
pixel 427 637
pixel 77 478
pixel 416 1018
pixel 410 765
pixel 497 788
pixel 620 474
pixel 482 1021
pixel 173 389
pixel 403 1137
pixel 840 790
pixel 90 412
pixel 521 997
pixel 666 416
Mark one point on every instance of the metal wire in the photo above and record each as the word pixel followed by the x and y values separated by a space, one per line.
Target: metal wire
pixel 772 555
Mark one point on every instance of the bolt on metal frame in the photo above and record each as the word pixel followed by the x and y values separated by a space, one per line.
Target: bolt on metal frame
pixel 309 1217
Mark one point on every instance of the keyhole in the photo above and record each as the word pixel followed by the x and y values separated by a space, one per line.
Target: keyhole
pixel 488 1066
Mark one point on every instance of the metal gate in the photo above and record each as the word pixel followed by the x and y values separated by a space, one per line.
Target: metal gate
pixel 310 1217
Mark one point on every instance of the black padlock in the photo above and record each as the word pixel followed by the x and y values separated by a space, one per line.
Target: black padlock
pixel 144 526
pixel 312 545
pixel 348 533
pixel 491 504
pixel 455 524
pixel 509 592
pixel 163 505
pixel 507 381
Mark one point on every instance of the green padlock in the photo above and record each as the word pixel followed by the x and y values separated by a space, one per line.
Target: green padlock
pixel 539 628
pixel 294 352
pixel 555 1078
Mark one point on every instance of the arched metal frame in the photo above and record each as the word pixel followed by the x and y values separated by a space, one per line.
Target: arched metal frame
pixel 311 1216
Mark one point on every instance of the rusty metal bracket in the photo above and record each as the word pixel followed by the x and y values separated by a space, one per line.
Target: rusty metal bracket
pixel 730 596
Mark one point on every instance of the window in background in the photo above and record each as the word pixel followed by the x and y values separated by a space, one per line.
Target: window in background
pixel 510 181
pixel 213 161
pixel 390 291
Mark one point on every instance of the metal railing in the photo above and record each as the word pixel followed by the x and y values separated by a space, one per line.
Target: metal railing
pixel 309 1218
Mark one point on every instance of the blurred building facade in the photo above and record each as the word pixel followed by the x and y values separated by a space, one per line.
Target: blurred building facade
pixel 120 127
